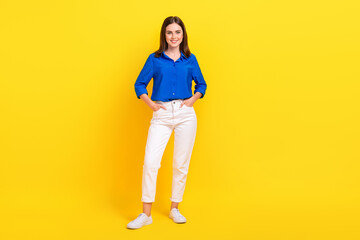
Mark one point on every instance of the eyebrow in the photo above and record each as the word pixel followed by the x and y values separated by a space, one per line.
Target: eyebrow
pixel 175 31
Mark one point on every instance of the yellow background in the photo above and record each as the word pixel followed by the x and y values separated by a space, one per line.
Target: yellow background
pixel 277 148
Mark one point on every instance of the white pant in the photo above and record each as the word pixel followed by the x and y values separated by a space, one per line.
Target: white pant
pixel 183 120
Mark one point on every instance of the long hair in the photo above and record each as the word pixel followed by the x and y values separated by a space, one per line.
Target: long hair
pixel 184 47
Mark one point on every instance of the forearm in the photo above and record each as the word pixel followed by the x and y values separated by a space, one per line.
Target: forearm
pixel 147 100
pixel 197 95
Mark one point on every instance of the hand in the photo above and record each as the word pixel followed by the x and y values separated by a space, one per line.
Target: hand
pixel 155 106
pixel 188 102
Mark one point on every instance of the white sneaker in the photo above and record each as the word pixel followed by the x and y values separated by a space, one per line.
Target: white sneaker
pixel 176 216
pixel 140 221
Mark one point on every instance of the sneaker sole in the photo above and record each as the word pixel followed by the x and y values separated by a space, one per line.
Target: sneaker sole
pixel 147 223
pixel 175 221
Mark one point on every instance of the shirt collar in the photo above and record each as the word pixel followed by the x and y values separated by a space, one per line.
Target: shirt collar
pixel 181 57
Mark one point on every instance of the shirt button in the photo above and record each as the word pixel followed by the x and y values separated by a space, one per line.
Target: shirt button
pixel 173 93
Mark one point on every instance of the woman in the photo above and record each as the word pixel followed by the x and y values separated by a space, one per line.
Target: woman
pixel 173 67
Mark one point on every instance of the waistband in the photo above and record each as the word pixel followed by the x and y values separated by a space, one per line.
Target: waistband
pixel 172 101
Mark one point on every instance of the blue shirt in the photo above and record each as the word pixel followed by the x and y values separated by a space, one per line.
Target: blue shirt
pixel 172 79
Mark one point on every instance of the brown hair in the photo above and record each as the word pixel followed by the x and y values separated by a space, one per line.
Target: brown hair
pixel 184 47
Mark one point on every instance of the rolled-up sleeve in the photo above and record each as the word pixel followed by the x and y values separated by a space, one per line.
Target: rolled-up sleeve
pixel 200 85
pixel 144 77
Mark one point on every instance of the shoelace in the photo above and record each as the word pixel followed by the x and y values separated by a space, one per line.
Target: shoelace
pixel 139 218
pixel 177 213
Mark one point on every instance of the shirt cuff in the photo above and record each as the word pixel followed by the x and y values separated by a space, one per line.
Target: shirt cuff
pixel 200 91
pixel 141 92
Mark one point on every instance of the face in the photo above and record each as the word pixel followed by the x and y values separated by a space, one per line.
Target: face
pixel 174 35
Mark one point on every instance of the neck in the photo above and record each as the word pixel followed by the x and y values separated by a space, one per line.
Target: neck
pixel 173 51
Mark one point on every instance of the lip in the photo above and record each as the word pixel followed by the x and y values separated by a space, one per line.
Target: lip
pixel 173 41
